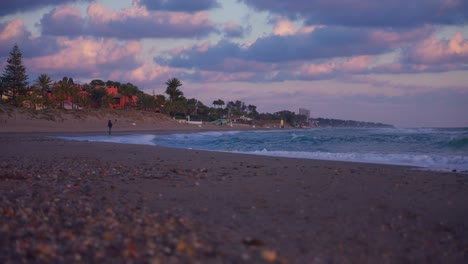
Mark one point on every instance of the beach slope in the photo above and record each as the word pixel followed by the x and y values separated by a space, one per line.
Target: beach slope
pixel 67 201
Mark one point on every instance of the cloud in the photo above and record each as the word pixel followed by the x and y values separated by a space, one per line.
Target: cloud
pixel 135 22
pixel 10 33
pixel 202 56
pixel 63 21
pixel 233 30
pixel 329 69
pixel 84 57
pixel 285 27
pixel 14 32
pixel 321 43
pixel 429 55
pixel 147 75
pixel 180 5
pixel 11 7
pixel 434 51
pixel 399 89
pixel 369 13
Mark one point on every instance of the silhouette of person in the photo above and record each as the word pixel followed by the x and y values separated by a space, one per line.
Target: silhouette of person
pixel 109 124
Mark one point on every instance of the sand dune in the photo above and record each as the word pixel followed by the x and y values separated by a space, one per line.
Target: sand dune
pixel 53 120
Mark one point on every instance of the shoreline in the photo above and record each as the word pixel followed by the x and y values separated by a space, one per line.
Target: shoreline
pixel 193 131
pixel 220 207
pixel 190 131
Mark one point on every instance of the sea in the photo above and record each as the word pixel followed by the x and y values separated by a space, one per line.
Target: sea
pixel 443 149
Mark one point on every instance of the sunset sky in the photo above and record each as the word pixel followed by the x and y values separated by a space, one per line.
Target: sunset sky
pixel 399 62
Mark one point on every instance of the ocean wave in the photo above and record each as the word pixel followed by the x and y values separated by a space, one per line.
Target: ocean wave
pixel 199 135
pixel 140 139
pixel 431 148
pixel 458 143
pixel 418 160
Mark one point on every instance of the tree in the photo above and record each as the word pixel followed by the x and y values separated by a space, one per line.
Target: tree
pixel 178 107
pixel 110 83
pixel 129 90
pixel 66 89
pixel 146 102
pixel 203 110
pixel 33 98
pixel 14 78
pixel 43 82
pixel 191 106
pixel 252 110
pixel 291 118
pixel 98 97
pixel 237 107
pixel 2 90
pixel 95 83
pixel 160 102
pixel 218 103
pixel 173 89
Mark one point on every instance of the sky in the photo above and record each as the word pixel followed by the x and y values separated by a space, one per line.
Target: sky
pixel 399 62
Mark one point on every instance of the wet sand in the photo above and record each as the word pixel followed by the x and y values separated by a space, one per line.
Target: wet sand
pixel 67 201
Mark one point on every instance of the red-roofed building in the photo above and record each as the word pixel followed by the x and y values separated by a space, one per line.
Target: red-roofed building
pixel 120 101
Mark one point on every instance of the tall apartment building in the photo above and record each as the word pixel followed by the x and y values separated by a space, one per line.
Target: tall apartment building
pixel 305 112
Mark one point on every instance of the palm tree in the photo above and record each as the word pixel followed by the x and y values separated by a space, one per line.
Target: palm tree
pixel 65 90
pixel 43 81
pixel 173 89
pixel 218 103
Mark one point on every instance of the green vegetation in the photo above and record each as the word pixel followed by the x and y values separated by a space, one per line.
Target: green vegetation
pixel 65 94
pixel 326 122
pixel 14 79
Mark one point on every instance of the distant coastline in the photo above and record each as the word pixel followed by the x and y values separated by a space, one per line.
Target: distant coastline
pixel 328 122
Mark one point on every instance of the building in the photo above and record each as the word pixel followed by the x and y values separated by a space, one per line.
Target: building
pixel 119 101
pixel 305 112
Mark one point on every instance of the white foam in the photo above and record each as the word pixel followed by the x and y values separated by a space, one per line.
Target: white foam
pixel 425 161
pixel 199 135
pixel 139 139
pixel 224 141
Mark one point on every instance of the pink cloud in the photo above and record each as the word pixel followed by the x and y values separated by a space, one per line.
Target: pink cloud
pixel 392 67
pixel 102 14
pixel 135 22
pixel 65 12
pixel 227 77
pixel 399 37
pixel 154 23
pixel 285 27
pixel 12 30
pixel 358 64
pixel 435 52
pixel 148 73
pixel 86 56
pixel 66 20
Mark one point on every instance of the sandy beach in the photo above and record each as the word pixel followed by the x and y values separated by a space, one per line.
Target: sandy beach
pixel 84 121
pixel 68 201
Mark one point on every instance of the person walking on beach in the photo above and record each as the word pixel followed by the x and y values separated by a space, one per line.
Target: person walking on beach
pixel 109 125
